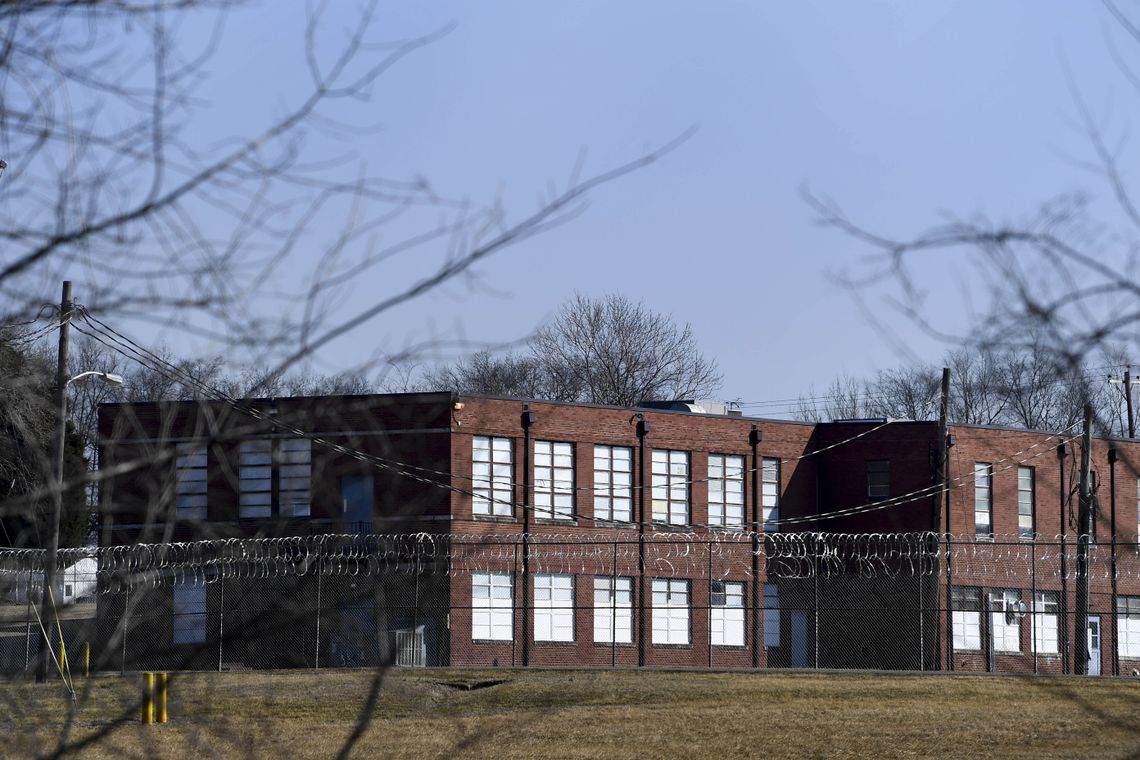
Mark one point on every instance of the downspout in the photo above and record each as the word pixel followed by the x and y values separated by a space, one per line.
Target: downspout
pixel 1113 455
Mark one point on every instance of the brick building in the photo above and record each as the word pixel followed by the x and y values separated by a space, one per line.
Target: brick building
pixel 599 536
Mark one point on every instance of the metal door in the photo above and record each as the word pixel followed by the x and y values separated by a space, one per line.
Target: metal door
pixel 1094 645
pixel 356 501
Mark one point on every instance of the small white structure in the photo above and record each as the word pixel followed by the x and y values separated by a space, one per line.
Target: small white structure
pixel 71 584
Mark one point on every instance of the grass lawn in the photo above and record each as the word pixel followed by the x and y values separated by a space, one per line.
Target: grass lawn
pixel 580 714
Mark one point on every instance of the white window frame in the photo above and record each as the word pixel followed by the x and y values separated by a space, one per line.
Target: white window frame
pixel 671 486
pixel 554 480
pixel 190 483
pixel 726 491
pixel 1026 503
pixel 188 614
pixel 771 615
pixel 726 613
pixel 1005 625
pixel 294 477
pixel 255 478
pixel 878 479
pixel 1046 622
pixel 1128 626
pixel 492 476
pixel 613 611
pixel 966 620
pixel 671 612
pixel 983 500
pixel 492 606
pixel 770 493
pixel 553 607
pixel 613 483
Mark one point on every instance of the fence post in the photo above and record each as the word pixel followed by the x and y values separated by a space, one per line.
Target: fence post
pixel 221 619
pixel 708 610
pixel 613 607
pixel 949 600
pixel 317 645
pixel 28 629
pixel 921 616
pixel 1033 591
pixel 126 615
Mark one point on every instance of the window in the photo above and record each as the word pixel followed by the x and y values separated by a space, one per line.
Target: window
pixel 671 487
pixel 878 479
pixel 1006 611
pixel 190 484
pixel 1045 622
pixel 613 610
pixel 771 615
pixel 967 618
pixel 1128 626
pixel 294 463
pixel 770 493
pixel 256 460
pixel 553 607
pixel 983 499
pixel 613 483
pixel 492 476
pixel 189 615
pixel 726 605
pixel 1025 503
pixel 726 491
pixel 255 478
pixel 670 611
pixel 492 607
pixel 554 480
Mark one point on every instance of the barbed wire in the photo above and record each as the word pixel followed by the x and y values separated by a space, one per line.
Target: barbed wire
pixel 730 555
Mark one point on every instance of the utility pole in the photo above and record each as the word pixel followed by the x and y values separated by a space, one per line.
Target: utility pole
pixel 1084 531
pixel 942 482
pixel 1127 382
pixel 47 601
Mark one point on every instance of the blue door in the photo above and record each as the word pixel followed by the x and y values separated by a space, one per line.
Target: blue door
pixel 356 503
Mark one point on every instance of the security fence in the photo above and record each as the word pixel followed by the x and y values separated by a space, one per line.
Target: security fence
pixel 735 600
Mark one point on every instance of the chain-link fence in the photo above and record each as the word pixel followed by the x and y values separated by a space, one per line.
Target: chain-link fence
pixel 812 600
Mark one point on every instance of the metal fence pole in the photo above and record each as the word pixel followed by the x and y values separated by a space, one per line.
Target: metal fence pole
pixel 613 608
pixel 126 616
pixel 921 619
pixel 28 629
pixel 221 619
pixel 1033 590
pixel 708 610
pixel 317 644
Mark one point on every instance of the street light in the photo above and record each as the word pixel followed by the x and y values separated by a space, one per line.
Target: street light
pixel 47 606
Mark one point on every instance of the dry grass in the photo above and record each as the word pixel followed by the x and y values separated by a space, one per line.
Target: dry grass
pixel 574 714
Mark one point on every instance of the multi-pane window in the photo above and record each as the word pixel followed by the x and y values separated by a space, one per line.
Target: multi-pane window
pixel 771 615
pixel 613 610
pixel 878 479
pixel 190 484
pixel 255 478
pixel 1046 615
pixel 492 607
pixel 967 618
pixel 726 491
pixel 294 462
pixel 189 615
pixel 671 487
pixel 726 610
pixel 1025 502
pixel 1128 626
pixel 1005 620
pixel 613 483
pixel 770 493
pixel 670 611
pixel 553 480
pixel 492 476
pixel 553 607
pixel 983 499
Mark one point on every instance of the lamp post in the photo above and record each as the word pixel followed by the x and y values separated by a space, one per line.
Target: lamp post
pixel 48 617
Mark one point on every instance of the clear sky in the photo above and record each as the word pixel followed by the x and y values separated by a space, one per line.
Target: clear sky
pixel 900 112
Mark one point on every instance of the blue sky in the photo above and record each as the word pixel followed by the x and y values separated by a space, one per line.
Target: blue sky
pixel 900 112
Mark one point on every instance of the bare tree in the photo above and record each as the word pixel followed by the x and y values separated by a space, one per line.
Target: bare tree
pixel 609 350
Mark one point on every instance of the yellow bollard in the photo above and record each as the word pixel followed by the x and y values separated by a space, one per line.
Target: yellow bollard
pixel 160 698
pixel 148 698
pixel 86 659
pixel 62 656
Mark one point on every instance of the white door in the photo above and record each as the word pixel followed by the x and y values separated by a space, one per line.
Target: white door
pixel 799 639
pixel 1094 645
